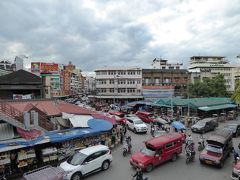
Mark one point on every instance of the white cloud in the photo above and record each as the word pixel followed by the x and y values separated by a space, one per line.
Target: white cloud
pixel 93 33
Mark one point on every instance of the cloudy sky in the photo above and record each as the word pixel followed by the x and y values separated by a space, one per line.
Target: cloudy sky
pixel 98 33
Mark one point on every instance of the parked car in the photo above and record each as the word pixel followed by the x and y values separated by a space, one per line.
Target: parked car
pixel 205 125
pixel 86 161
pixel 234 128
pixel 218 148
pixel 146 117
pixel 119 117
pixel 157 151
pixel 46 172
pixel 135 124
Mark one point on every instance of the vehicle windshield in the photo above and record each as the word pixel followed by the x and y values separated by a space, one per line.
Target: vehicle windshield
pixel 147 151
pixel 138 122
pixel 231 126
pixel 77 159
pixel 216 149
pixel 199 123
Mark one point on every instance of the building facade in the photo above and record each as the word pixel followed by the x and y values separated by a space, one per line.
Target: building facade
pixel 118 85
pixel 165 82
pixel 209 66
pixel 163 64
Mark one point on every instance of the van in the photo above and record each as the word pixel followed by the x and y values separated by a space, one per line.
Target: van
pixel 157 151
pixel 218 148
pixel 205 125
pixel 146 117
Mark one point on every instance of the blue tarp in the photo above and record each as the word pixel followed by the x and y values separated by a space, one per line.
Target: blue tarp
pixel 72 134
pixel 99 125
pixel 22 142
pixel 178 125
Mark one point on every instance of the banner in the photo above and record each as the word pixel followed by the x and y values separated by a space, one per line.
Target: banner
pixel 40 67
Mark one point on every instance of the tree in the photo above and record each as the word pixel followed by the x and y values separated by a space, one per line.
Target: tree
pixel 209 87
pixel 236 95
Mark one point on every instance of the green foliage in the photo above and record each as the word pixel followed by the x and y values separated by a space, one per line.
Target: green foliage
pixel 236 95
pixel 209 87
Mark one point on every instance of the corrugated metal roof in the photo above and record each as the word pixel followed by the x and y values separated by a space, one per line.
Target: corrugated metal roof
pixel 47 106
pixel 73 109
pixel 6 131
pixel 80 120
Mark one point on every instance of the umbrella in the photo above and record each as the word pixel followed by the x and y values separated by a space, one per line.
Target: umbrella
pixel 177 125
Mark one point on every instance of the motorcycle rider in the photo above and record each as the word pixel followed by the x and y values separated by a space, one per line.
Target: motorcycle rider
pixel 188 141
pixel 190 150
pixel 138 174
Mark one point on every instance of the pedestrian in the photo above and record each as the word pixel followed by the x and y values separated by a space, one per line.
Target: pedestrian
pixel 125 129
pixel 121 135
pixel 113 137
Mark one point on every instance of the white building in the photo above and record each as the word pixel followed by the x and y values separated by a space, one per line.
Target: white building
pixel 89 85
pixel 18 63
pixel 210 66
pixel 163 64
pixel 118 84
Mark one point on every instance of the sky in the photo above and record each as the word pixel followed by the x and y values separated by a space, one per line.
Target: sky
pixel 118 33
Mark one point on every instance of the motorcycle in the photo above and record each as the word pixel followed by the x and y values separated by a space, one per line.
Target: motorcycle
pixel 190 157
pixel 201 146
pixel 144 178
pixel 236 170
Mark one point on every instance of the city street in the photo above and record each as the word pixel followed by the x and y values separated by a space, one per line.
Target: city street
pixel 121 169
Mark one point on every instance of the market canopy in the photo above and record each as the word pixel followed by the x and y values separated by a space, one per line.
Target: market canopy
pixel 99 125
pixel 217 107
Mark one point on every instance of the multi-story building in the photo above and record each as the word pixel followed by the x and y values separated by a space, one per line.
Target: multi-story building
pixel 72 80
pixel 209 66
pixel 163 64
pixel 119 84
pixel 165 80
pixel 6 65
pixel 89 85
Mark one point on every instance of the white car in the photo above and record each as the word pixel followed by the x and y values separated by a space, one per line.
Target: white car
pixel 86 161
pixel 136 124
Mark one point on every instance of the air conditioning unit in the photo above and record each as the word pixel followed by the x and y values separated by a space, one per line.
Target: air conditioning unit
pixel 26 120
pixel 35 119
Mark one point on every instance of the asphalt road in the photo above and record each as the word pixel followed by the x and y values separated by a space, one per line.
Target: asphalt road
pixel 121 170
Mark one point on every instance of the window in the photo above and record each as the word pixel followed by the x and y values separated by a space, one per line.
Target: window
pixel 169 145
pixel 111 81
pixel 111 90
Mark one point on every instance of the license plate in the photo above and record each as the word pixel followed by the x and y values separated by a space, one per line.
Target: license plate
pixel 208 162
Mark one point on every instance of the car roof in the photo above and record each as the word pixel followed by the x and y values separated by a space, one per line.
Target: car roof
pixel 160 141
pixel 144 112
pixel 93 149
pixel 207 119
pixel 133 118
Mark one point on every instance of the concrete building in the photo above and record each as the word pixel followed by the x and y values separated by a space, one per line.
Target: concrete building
pixel 209 66
pixel 159 83
pixel 163 64
pixel 118 84
pixel 72 80
pixel 89 85
pixel 6 65
pixel 18 63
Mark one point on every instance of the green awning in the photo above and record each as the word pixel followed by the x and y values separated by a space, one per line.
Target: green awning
pixel 217 107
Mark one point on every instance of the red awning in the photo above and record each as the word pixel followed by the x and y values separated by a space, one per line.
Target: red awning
pixel 32 134
pixel 104 117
